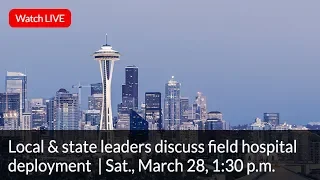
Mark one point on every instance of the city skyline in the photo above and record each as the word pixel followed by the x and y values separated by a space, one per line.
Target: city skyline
pixel 244 58
pixel 197 107
pixel 10 104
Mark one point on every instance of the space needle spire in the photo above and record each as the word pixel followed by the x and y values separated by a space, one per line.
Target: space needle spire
pixel 106 57
pixel 106 39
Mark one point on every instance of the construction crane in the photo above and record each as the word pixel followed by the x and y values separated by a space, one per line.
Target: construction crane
pixel 80 86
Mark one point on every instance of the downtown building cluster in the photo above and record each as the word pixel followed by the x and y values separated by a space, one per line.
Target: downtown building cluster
pixel 168 111
pixel 63 111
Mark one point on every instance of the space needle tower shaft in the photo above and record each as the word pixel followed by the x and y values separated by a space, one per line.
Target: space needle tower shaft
pixel 106 57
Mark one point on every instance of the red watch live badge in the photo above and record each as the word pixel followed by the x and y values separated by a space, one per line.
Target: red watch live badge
pixel 40 18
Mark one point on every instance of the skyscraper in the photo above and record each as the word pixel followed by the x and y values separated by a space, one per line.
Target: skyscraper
pixel 16 82
pixel 66 111
pixel 172 111
pixel 26 121
pixel 123 119
pixel 10 102
pixel 50 112
pixel 106 57
pixel 129 98
pixel 11 120
pixel 38 113
pixel 184 106
pixel 130 88
pixel 95 102
pixel 153 112
pixel 201 106
pixel 10 109
pixel 96 98
pixel 193 112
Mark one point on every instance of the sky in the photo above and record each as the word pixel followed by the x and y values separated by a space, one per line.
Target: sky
pixel 248 57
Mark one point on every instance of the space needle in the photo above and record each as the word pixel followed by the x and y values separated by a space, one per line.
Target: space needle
pixel 106 57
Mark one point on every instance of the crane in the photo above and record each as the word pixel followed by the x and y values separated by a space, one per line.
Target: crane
pixel 80 86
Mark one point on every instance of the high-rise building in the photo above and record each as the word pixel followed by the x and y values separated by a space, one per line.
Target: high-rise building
pixel 96 88
pixel 66 111
pixel 9 102
pixel 153 112
pixel 106 57
pixel 16 82
pixel 129 98
pixel 137 122
pixel 122 109
pixel 95 102
pixel 50 113
pixel 96 99
pixel 26 121
pixel 172 113
pixel 184 105
pixel 92 117
pixel 123 119
pixel 201 106
pixel 11 120
pixel 272 118
pixel 127 102
pixel 130 88
pixel 38 113
pixel 193 112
